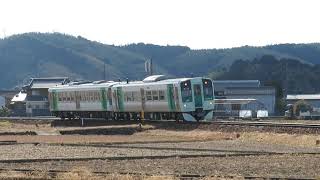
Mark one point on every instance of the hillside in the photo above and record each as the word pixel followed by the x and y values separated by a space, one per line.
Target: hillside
pixel 289 75
pixel 55 54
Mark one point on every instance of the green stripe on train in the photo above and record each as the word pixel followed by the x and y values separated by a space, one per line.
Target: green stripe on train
pixel 54 100
pixel 120 99
pixel 170 96
pixel 103 98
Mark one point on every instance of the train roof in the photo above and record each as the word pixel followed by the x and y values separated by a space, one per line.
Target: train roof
pixel 160 82
pixel 97 84
pixel 83 86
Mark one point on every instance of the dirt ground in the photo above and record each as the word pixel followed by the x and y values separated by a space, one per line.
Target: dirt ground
pixel 156 152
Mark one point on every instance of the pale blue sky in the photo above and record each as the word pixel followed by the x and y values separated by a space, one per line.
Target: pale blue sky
pixel 194 23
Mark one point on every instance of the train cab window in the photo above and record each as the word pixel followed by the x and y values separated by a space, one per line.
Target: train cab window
pixel 207 89
pixel 186 91
pixel 148 96
pixel 161 95
pixel 155 95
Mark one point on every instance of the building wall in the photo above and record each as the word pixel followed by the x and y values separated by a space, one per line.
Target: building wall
pixel 265 102
pixel 314 102
pixel 37 108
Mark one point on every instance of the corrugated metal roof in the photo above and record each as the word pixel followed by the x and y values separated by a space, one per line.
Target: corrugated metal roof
pixel 302 96
pixel 236 81
pixel 43 85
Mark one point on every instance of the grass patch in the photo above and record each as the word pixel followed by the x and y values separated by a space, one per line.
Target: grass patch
pixel 4 123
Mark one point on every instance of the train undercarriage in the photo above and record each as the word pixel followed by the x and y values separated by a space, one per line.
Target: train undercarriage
pixel 184 116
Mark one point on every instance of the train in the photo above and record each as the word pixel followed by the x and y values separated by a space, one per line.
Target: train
pixel 155 98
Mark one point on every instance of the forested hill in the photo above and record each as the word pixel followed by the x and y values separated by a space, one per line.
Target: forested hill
pixel 289 75
pixel 54 54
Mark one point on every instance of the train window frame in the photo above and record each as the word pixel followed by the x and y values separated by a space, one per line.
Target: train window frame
pixel 64 98
pixel 208 93
pixel 186 91
pixel 161 95
pixel 155 95
pixel 72 96
pixel 91 96
pixel 96 96
pixel 59 96
pixel 127 96
pixel 136 97
pixel 148 96
pixel 68 98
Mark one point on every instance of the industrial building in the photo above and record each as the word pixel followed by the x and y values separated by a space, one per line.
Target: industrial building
pixel 235 95
pixel 310 103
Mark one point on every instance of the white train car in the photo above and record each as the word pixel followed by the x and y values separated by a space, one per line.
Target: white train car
pixel 155 97
pixel 83 100
pixel 184 98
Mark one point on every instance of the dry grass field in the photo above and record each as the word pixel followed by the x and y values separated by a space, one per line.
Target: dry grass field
pixel 154 152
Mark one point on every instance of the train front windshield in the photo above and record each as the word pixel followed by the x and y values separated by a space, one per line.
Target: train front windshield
pixel 186 91
pixel 207 89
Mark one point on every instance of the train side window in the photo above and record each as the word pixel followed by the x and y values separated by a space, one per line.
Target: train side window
pixel 135 96
pixel 64 98
pixel 96 96
pixel 92 95
pixel 68 96
pixel 155 95
pixel 87 96
pixel 59 96
pixel 72 96
pixel 148 96
pixel 128 96
pixel 161 95
pixel 81 96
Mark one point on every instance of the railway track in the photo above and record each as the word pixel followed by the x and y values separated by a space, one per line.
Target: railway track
pixel 92 121
pixel 264 124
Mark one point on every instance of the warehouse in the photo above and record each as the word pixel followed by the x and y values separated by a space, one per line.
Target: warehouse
pixel 239 91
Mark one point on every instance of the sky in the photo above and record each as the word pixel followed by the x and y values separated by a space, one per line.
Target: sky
pixel 199 24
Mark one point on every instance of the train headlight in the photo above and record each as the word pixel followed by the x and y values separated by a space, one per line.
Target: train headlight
pixel 184 105
pixel 211 103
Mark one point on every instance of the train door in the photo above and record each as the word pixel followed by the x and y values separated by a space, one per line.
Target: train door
pixel 143 100
pixel 77 98
pixel 197 95
pixel 115 97
pixel 176 97
pixel 171 98
pixel 109 97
